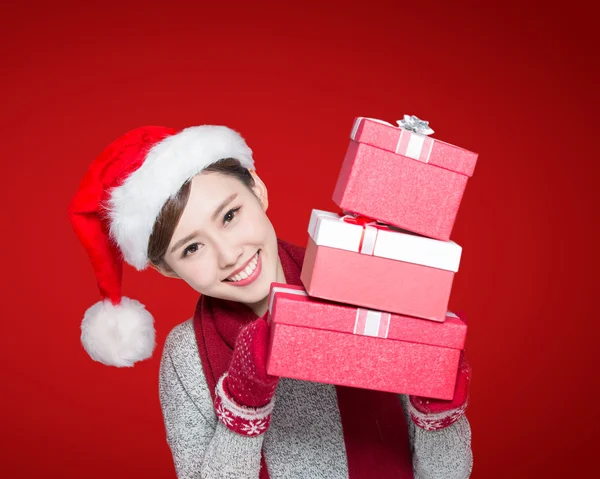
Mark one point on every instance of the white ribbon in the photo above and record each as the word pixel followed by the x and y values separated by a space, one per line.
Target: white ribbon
pixel 373 323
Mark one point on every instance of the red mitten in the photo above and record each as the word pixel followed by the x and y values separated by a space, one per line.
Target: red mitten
pixel 245 391
pixel 434 414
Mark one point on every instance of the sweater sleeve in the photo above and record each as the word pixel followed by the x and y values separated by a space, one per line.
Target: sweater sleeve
pixel 441 454
pixel 201 446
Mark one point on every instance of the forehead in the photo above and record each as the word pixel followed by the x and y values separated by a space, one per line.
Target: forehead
pixel 213 187
pixel 207 193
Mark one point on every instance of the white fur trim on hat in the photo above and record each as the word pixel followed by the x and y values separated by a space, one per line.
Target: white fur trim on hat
pixel 135 205
pixel 118 335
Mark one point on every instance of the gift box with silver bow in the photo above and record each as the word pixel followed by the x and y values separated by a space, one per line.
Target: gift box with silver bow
pixel 403 177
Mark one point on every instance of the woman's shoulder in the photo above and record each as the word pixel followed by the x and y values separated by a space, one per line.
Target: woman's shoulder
pixel 181 339
pixel 180 354
pixel 181 376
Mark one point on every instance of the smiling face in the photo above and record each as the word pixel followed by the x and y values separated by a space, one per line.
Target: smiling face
pixel 224 245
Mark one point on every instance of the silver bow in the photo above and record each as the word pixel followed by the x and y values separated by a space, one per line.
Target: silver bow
pixel 412 123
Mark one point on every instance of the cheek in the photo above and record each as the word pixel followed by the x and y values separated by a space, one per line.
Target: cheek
pixel 257 226
pixel 200 275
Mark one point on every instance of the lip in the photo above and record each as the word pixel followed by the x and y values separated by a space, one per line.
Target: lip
pixel 250 279
pixel 242 268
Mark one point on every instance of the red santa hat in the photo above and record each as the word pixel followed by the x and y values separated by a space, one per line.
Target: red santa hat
pixel 113 213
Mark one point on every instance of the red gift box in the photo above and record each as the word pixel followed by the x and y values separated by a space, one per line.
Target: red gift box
pixel 403 178
pixel 332 343
pixel 378 267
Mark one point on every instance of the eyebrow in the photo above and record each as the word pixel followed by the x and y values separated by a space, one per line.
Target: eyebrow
pixel 222 206
pixel 214 216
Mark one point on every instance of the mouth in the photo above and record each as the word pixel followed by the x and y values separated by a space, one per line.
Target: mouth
pixel 247 273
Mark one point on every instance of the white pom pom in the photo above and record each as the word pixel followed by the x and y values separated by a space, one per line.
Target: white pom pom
pixel 118 335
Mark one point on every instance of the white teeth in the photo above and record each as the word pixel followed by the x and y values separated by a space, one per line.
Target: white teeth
pixel 247 272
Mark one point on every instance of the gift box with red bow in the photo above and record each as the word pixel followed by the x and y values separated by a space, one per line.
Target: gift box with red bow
pixel 358 261
pixel 332 343
pixel 403 177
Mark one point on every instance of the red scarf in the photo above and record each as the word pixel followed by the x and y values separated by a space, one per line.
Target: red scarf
pixel 375 431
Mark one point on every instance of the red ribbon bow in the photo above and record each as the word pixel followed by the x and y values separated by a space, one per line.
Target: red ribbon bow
pixel 363 221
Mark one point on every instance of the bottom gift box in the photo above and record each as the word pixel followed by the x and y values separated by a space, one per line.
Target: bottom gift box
pixel 333 343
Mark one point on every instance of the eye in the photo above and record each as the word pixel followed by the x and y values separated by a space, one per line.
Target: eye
pixel 190 249
pixel 228 217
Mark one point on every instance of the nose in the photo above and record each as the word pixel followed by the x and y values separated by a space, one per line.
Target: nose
pixel 228 252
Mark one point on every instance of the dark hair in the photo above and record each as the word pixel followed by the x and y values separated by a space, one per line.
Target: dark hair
pixel 171 212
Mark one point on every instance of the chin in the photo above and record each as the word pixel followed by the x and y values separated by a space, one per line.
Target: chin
pixel 259 292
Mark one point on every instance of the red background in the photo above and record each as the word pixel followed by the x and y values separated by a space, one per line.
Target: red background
pixel 514 83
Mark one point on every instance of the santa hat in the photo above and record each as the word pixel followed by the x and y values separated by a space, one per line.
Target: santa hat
pixel 114 211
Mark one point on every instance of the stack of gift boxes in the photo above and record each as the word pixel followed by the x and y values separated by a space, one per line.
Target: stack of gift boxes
pixel 377 278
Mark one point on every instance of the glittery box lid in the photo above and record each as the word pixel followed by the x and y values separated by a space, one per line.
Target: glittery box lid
pixel 290 305
pixel 423 148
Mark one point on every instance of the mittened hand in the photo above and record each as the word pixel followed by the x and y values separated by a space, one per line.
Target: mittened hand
pixel 434 414
pixel 247 380
pixel 244 393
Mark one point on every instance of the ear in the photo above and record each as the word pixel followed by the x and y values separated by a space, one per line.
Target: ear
pixel 164 272
pixel 260 190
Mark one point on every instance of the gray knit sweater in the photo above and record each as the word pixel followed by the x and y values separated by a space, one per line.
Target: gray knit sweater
pixel 305 437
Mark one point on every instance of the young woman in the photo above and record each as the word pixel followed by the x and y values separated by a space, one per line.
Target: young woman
pixel 191 205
